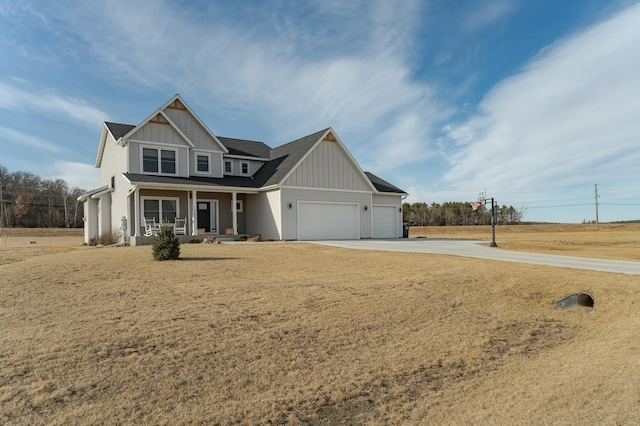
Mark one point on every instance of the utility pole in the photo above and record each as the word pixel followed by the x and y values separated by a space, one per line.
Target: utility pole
pixel 596 196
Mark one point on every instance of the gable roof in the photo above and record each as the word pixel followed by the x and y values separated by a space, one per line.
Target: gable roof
pixel 284 159
pixel 382 185
pixel 246 148
pixel 119 130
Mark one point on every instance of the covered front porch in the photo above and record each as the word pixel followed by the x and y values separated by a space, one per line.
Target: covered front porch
pixel 204 212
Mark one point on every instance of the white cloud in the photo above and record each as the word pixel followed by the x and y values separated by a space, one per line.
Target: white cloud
pixel 28 140
pixel 263 67
pixel 30 99
pixel 80 175
pixel 569 118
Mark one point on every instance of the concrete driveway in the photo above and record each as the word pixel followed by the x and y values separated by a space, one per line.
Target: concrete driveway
pixel 468 248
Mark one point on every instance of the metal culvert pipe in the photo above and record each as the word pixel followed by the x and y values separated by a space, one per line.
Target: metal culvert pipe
pixel 581 300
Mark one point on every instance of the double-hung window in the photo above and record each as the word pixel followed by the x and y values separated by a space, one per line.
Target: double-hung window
pixel 156 160
pixel 244 167
pixel 202 163
pixel 227 167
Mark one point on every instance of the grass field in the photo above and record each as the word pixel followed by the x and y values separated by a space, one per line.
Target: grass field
pixel 295 333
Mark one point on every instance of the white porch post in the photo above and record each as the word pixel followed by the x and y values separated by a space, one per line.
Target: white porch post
pixel 136 208
pixel 194 212
pixel 234 213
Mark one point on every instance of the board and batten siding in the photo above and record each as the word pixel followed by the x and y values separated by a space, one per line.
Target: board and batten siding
pixel 135 157
pixel 161 133
pixel 328 166
pixel 192 129
pixel 293 195
pixel 263 214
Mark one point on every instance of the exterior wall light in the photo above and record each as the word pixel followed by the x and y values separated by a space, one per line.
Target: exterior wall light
pixel 366 208
pixel 290 205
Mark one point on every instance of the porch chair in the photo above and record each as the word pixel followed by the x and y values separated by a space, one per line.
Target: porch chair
pixel 181 226
pixel 150 227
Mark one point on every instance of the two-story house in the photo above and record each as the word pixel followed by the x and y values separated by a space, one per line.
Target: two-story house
pixel 171 166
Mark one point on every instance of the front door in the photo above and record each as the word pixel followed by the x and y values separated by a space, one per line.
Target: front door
pixel 208 216
pixel 204 216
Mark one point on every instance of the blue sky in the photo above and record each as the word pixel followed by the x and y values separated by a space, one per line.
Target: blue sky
pixel 534 101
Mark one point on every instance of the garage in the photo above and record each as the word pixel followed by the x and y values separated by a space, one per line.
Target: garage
pixel 327 221
pixel 385 222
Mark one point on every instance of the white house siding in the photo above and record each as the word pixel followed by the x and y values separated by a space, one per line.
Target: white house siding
pixel 188 125
pixel 90 219
pixel 328 166
pixel 135 157
pixel 114 162
pixel 263 214
pixel 293 195
pixel 104 214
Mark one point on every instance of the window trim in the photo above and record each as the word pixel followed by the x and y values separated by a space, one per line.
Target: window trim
pixel 242 164
pixel 197 154
pixel 159 151
pixel 230 172
pixel 160 200
pixel 239 206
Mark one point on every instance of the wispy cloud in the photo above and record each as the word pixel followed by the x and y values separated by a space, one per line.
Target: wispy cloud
pixel 569 118
pixel 29 140
pixel 78 175
pixel 22 97
pixel 355 77
pixel 486 13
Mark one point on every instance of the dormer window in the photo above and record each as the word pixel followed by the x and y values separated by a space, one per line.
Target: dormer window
pixel 227 167
pixel 158 161
pixel 244 168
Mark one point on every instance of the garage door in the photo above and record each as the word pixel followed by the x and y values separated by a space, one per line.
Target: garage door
pixel 385 222
pixel 327 221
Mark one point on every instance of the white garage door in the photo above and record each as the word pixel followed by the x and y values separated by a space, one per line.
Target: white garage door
pixel 327 221
pixel 385 222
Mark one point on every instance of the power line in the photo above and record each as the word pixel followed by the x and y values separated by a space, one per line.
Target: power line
pixel 559 205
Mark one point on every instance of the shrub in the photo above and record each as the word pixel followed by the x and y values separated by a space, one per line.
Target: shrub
pixel 166 246
pixel 108 238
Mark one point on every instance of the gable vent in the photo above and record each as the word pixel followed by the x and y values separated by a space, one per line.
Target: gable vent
pixel 330 138
pixel 159 119
pixel 176 105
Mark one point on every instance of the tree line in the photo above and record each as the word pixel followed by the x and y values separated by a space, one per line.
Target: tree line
pixel 455 213
pixel 29 201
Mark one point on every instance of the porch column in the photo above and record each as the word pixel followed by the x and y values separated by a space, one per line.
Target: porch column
pixel 136 212
pixel 194 212
pixel 234 213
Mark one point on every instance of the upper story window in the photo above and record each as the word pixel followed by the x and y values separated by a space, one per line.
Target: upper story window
pixel 202 163
pixel 227 167
pixel 244 168
pixel 156 160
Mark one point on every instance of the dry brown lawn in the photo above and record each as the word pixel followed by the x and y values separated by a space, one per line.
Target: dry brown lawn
pixel 610 241
pixel 295 333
